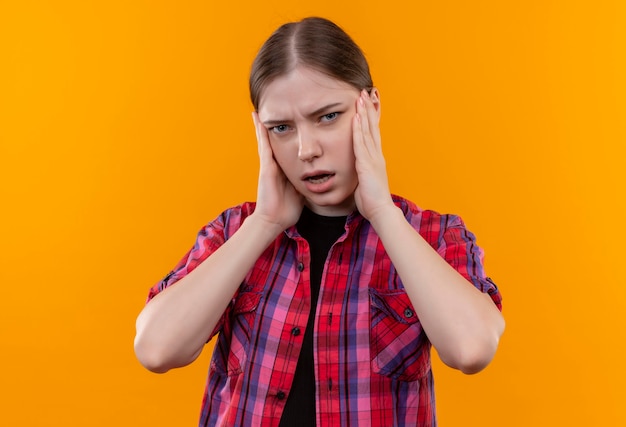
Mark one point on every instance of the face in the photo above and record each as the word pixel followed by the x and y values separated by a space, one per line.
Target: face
pixel 309 116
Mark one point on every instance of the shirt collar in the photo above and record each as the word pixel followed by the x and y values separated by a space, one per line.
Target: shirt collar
pixel 352 222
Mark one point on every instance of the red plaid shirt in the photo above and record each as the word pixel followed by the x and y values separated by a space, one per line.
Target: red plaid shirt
pixel 372 357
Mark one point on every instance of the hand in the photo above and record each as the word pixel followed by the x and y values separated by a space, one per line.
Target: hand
pixel 278 202
pixel 372 195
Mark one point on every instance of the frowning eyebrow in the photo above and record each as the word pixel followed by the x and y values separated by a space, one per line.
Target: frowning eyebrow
pixel 315 113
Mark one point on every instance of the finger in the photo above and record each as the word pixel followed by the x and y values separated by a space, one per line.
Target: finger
pixel 262 137
pixel 374 99
pixel 373 116
pixel 365 126
pixel 255 120
pixel 361 147
pixel 358 143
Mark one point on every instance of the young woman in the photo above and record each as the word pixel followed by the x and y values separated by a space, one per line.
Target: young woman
pixel 328 292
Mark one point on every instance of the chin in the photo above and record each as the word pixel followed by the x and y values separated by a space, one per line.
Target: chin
pixel 331 205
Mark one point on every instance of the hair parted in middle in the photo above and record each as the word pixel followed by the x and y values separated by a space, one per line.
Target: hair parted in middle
pixel 312 42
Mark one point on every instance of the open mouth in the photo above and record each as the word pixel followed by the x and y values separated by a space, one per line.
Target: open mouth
pixel 319 179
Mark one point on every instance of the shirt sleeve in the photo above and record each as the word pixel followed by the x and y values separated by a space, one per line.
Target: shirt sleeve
pixel 208 240
pixel 457 245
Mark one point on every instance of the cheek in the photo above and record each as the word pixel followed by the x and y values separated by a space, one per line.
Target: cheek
pixel 346 142
pixel 284 153
pixel 280 149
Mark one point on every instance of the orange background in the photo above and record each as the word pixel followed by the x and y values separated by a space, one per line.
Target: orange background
pixel 125 126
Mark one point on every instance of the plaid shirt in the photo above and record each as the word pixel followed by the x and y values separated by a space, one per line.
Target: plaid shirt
pixel 372 357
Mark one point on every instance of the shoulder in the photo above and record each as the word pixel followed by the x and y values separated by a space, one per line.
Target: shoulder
pixel 214 233
pixel 429 223
pixel 413 213
pixel 231 219
pixel 237 214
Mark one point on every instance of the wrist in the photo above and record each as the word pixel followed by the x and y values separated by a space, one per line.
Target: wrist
pixel 384 216
pixel 266 228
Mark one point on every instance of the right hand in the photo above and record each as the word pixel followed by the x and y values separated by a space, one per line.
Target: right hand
pixel 278 202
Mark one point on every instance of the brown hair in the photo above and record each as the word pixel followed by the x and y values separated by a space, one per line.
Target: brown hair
pixel 313 42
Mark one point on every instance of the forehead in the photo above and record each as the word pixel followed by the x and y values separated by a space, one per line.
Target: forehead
pixel 303 90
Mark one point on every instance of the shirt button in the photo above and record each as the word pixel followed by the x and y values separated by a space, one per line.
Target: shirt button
pixel 408 313
pixel 300 266
pixel 295 331
pixel 280 395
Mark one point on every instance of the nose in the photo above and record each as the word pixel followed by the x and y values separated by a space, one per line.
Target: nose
pixel 309 146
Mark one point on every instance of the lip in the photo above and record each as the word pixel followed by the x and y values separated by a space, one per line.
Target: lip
pixel 318 187
pixel 315 173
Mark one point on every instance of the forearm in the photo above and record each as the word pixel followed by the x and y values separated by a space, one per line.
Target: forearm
pixel 174 326
pixel 461 322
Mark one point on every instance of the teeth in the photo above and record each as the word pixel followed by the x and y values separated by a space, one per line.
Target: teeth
pixel 318 179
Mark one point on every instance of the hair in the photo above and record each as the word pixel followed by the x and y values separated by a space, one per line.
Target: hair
pixel 312 42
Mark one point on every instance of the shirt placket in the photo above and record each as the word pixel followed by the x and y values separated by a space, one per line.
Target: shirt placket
pixel 291 336
pixel 328 335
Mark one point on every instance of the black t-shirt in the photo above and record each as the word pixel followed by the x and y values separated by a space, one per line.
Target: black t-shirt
pixel 321 232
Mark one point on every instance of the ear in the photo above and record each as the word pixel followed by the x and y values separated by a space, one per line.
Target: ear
pixel 375 97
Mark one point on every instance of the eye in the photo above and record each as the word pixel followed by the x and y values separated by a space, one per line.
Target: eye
pixel 329 117
pixel 279 129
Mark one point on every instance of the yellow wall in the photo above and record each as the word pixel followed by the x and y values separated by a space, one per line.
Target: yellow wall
pixel 121 125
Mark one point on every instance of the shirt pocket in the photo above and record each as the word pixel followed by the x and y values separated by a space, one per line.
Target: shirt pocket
pixel 399 347
pixel 241 327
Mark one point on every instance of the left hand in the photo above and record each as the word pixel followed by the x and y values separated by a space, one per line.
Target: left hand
pixel 372 195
